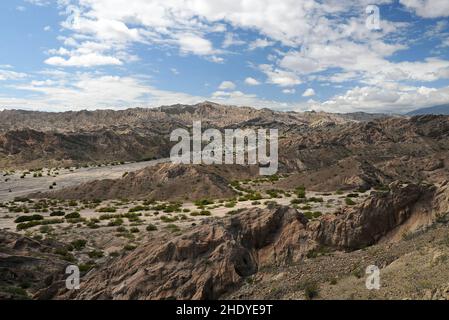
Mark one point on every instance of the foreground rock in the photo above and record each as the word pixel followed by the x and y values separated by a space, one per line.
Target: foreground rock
pixel 27 265
pixel 376 218
pixel 214 258
pixel 204 263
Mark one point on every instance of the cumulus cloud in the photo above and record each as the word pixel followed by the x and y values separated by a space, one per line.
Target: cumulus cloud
pixel 289 91
pixel 252 82
pixel 227 85
pixel 87 60
pixel 428 8
pixel 309 93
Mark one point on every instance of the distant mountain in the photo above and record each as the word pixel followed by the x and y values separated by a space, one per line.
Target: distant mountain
pixel 438 110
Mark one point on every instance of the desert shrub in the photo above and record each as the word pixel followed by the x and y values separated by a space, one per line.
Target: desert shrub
pixel 139 208
pixel 173 228
pixel 167 219
pixel 130 247
pixel 151 227
pixel 231 204
pixel 107 209
pixel 57 214
pixel 349 202
pixel 203 202
pixel 317 214
pixel 106 216
pixel 301 192
pixel 116 222
pixel 353 195
pixel 35 217
pixel 134 230
pixel 311 290
pixel 84 268
pixel 72 203
pixel 73 215
pixel 95 254
pixel 79 244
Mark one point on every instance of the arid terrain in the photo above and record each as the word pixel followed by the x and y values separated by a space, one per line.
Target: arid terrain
pixel 95 189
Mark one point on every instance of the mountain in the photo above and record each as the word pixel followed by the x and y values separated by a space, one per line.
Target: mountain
pixel 437 110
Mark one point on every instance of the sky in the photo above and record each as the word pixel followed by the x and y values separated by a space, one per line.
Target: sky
pixel 325 55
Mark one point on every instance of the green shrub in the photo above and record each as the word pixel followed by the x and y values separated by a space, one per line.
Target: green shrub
pixel 35 217
pixel 107 209
pixel 73 215
pixel 57 214
pixel 311 290
pixel 79 244
pixel 349 202
pixel 151 227
pixel 95 254
pixel 116 222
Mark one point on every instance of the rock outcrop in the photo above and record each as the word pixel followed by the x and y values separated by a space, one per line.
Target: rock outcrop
pixel 27 265
pixel 204 263
pixel 366 224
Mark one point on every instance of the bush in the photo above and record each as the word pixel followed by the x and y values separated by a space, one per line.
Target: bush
pixel 116 222
pixel 301 192
pixel 311 290
pixel 57 214
pixel 95 254
pixel 134 230
pixel 349 202
pixel 73 215
pixel 169 219
pixel 78 244
pixel 138 208
pixel 35 217
pixel 203 202
pixel 107 209
pixel 151 227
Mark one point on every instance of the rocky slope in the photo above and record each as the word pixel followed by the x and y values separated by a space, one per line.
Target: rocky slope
pixel 35 139
pixel 170 182
pixel 27 265
pixel 216 257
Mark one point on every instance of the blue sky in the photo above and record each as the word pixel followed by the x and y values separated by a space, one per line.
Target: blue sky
pixel 286 54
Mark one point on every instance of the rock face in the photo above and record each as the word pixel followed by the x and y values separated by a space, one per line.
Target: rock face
pixel 204 263
pixel 366 224
pixel 27 265
pixel 214 258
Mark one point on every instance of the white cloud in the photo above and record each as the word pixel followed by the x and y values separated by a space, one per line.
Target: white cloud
pixel 280 77
pixel 87 60
pixel 397 99
pixel 252 82
pixel 174 71
pixel 47 28
pixel 227 85
pixel 289 91
pixel 11 75
pixel 192 43
pixel 428 8
pixel 231 40
pixel 260 43
pixel 39 2
pixel 309 93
